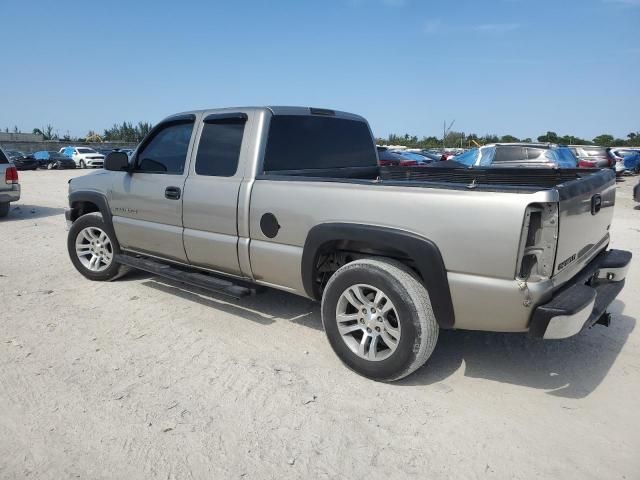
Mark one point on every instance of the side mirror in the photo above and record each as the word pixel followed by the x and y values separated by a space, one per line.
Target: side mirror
pixel 117 162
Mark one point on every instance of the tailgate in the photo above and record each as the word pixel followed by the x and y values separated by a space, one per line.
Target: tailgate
pixel 585 213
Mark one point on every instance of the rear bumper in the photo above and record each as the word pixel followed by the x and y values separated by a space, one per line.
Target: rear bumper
pixel 12 195
pixel 581 302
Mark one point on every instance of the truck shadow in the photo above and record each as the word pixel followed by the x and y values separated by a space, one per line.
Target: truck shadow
pixel 265 308
pixel 571 368
pixel 21 211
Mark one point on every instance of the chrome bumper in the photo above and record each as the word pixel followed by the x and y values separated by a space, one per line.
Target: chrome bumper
pixel 582 302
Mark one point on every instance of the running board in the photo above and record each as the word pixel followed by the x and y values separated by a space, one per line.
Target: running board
pixel 196 279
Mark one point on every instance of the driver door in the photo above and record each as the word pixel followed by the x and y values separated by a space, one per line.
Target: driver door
pixel 147 203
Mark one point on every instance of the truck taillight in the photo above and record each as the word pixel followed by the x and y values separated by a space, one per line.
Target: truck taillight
pixel 11 175
pixel 538 242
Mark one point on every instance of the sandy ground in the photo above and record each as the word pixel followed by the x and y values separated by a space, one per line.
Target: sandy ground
pixel 141 378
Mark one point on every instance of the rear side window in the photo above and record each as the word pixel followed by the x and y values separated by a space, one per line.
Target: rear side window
pixel 3 157
pixel 300 143
pixel 219 148
pixel 166 152
pixel 509 154
pixel 536 153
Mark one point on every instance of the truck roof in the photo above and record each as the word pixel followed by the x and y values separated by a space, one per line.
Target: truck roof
pixel 275 110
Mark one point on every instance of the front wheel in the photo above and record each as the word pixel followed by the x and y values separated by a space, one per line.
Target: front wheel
pixel 378 318
pixel 92 248
pixel 82 164
pixel 50 166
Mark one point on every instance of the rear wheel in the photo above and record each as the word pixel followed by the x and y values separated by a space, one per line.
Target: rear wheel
pixel 92 248
pixel 378 319
pixel 4 209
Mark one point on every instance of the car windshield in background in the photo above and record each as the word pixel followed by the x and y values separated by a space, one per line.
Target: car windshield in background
pixel 86 150
pixel 300 143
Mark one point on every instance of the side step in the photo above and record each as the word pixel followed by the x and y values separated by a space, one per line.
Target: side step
pixel 196 279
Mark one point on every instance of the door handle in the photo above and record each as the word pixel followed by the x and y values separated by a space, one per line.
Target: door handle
pixel 172 193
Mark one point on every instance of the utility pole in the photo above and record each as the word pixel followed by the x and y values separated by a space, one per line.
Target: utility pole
pixel 445 132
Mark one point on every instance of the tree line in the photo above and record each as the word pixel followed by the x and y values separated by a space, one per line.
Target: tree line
pixel 460 139
pixel 128 132
pixel 123 132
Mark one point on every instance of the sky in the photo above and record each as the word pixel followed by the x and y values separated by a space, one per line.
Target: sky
pixel 518 67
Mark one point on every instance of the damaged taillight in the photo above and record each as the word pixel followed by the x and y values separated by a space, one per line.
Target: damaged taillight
pixel 538 242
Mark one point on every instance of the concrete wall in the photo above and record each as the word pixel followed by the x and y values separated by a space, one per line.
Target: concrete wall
pixel 20 137
pixel 29 147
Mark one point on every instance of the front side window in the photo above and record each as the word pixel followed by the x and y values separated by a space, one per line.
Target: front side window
pixel 298 142
pixel 219 149
pixel 509 154
pixel 166 152
pixel 86 150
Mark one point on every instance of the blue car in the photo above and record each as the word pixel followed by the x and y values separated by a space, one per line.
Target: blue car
pixel 506 155
pixel 627 160
pixel 418 158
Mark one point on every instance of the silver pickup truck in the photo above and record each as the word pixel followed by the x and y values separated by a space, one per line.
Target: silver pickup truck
pixel 293 198
pixel 9 185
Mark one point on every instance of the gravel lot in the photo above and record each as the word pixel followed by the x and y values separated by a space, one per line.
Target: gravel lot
pixel 141 378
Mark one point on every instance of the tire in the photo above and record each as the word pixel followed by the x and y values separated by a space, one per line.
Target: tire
pixel 410 317
pixel 49 166
pixel 82 164
pixel 92 228
pixel 4 209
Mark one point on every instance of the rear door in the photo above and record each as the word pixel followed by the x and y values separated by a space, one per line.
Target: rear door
pixel 147 203
pixel 211 191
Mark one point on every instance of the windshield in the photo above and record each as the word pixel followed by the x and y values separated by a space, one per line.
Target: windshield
pixel 86 150
pixel 468 158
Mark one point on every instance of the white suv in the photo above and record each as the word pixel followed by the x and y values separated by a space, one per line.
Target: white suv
pixel 84 156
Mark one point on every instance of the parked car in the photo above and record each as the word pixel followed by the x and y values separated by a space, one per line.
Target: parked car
pixel 518 155
pixel 434 157
pixel 636 192
pixel 393 258
pixel 22 161
pixel 84 156
pixel 627 160
pixel 387 158
pixel 412 158
pixel 9 185
pixel 592 156
pixel 51 159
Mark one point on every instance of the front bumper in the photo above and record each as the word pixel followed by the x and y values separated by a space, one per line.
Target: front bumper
pixel 581 302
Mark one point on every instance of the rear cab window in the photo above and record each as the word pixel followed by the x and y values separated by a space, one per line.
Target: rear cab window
pixel 299 142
